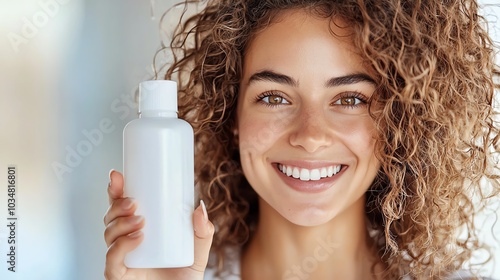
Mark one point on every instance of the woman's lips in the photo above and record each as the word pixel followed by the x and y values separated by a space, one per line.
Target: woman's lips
pixel 306 179
pixel 306 174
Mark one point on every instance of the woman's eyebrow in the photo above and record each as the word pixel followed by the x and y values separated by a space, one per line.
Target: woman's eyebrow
pixel 271 76
pixel 349 80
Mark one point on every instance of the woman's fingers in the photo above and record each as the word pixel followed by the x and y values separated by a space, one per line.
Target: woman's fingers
pixel 203 235
pixel 115 186
pixel 123 234
pixel 115 256
pixel 120 208
pixel 122 226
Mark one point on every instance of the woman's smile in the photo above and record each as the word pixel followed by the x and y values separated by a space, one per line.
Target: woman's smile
pixel 309 176
pixel 305 174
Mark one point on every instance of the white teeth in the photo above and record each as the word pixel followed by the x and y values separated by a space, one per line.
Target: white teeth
pixel 330 171
pixel 324 172
pixel 315 175
pixel 304 175
pixel 309 175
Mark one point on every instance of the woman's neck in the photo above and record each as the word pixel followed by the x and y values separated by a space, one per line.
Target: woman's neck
pixel 339 249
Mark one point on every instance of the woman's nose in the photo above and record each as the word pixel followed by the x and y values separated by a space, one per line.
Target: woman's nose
pixel 310 131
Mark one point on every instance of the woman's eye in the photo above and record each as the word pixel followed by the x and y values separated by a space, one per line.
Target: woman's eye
pixel 350 101
pixel 272 99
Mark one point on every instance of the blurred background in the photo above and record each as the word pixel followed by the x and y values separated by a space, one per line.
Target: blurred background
pixel 69 70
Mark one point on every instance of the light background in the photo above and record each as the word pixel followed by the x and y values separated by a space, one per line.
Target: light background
pixel 74 76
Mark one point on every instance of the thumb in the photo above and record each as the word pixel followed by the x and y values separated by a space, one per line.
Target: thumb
pixel 203 235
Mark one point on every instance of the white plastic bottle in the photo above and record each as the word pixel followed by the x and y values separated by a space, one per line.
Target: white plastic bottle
pixel 158 169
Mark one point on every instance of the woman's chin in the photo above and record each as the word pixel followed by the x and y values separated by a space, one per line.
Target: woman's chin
pixel 308 217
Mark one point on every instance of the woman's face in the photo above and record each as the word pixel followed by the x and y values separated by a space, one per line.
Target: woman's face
pixel 305 135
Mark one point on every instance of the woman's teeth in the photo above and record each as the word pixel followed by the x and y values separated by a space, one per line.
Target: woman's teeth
pixel 309 174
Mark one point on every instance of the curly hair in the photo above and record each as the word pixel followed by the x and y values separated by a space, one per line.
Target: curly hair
pixel 437 137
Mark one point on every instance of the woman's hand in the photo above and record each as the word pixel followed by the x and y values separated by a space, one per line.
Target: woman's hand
pixel 122 235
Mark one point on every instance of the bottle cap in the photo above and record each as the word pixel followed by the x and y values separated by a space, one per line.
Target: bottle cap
pixel 158 95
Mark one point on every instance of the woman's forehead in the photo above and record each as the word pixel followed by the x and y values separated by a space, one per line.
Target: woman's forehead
pixel 300 42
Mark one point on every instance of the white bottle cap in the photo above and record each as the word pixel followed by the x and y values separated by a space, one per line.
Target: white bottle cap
pixel 158 95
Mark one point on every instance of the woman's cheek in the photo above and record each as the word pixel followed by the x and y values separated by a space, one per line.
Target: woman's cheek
pixel 259 134
pixel 356 132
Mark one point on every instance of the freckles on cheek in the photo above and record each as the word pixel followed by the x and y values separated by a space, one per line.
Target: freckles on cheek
pixel 254 140
pixel 359 135
pixel 257 135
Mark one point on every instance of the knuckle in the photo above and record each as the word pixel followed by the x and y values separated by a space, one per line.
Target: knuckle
pixel 105 219
pixel 110 191
pixel 107 236
pixel 108 231
pixel 107 215
pixel 111 252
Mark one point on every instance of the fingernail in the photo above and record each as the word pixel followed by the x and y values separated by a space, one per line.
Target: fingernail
pixel 111 172
pixel 136 219
pixel 127 204
pixel 204 208
pixel 135 234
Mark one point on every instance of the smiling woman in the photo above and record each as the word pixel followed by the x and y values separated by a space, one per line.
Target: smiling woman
pixel 335 140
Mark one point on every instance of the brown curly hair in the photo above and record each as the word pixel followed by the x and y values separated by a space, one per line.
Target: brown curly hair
pixel 437 138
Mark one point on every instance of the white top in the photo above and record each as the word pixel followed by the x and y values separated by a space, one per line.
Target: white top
pixel 232 269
